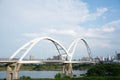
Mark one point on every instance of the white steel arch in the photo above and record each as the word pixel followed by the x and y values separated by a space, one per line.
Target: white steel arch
pixel 29 45
pixel 73 46
pixel 88 49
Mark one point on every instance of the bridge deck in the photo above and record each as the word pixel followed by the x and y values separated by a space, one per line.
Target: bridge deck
pixel 41 61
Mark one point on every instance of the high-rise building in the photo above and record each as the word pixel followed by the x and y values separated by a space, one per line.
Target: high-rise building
pixel 102 58
pixel 109 58
pixel 118 56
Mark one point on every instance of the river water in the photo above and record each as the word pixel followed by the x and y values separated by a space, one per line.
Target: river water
pixel 39 74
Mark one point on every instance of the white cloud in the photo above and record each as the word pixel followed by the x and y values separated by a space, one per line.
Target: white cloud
pixel 103 35
pixel 93 16
pixel 114 24
pixel 33 35
pixel 104 31
pixel 57 18
pixel 100 11
pixel 63 32
pixel 108 29
pixel 59 12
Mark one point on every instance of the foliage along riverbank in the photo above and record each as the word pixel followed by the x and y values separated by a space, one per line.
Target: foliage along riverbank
pixel 101 71
pixel 104 69
pixel 39 67
pixel 80 78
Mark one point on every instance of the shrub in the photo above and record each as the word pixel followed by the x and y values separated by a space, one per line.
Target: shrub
pixel 57 76
pixel 74 75
pixel 104 70
pixel 25 78
pixel 66 77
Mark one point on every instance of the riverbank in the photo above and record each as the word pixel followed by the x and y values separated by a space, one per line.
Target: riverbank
pixel 80 78
pixel 83 78
pixel 35 67
pixel 101 71
pixel 40 67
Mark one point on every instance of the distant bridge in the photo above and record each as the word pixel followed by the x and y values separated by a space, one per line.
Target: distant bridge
pixel 66 56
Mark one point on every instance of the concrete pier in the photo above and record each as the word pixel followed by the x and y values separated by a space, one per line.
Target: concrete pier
pixel 9 73
pixel 12 71
pixel 67 69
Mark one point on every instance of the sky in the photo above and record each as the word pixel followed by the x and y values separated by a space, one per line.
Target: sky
pixel 96 21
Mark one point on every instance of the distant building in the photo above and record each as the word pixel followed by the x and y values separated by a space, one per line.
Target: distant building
pixel 49 58
pixel 101 58
pixel 109 58
pixel 58 57
pixel 118 56
pixel 97 59
pixel 31 57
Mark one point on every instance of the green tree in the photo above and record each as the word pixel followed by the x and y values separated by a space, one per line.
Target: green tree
pixel 104 70
pixel 25 78
pixel 58 76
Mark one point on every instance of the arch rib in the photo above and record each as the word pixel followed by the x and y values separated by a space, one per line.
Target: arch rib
pixel 73 46
pixel 88 49
pixel 28 46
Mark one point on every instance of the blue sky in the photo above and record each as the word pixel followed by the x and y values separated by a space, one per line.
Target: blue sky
pixel 98 22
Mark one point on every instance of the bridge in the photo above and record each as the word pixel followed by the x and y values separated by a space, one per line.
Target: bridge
pixel 66 56
pixel 28 61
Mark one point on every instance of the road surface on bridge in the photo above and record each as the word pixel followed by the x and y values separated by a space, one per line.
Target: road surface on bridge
pixel 40 61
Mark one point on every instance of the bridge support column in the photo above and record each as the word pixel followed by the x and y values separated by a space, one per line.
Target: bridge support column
pixel 67 69
pixel 9 73
pixel 70 70
pixel 64 69
pixel 16 70
pixel 13 73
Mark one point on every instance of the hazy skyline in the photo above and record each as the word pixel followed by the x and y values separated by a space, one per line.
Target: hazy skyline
pixel 98 22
